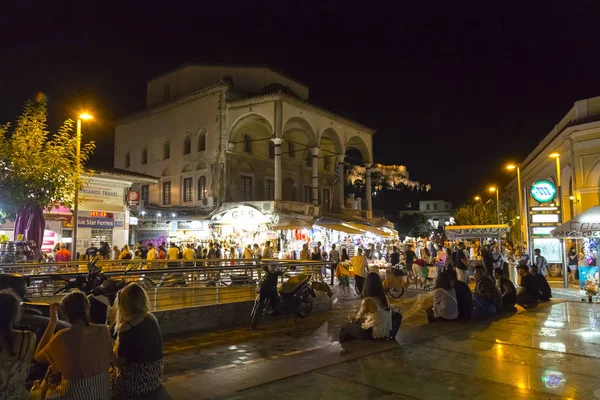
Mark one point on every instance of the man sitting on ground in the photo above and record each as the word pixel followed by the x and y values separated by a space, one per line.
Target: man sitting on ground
pixel 542 283
pixel 507 290
pixel 485 289
pixel 529 292
pixel 464 297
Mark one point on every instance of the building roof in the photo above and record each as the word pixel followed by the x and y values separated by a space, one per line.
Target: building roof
pixel 230 65
pixel 279 90
pixel 129 175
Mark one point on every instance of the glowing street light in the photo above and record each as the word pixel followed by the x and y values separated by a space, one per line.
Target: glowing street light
pixel 495 189
pixel 82 116
pixel 512 167
pixel 477 198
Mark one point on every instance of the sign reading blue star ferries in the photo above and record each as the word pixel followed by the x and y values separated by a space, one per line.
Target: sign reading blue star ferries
pixel 543 191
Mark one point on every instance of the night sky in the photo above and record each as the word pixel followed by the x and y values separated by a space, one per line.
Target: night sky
pixel 454 89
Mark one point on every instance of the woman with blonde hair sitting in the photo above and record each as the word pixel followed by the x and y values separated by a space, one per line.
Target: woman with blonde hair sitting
pixel 138 350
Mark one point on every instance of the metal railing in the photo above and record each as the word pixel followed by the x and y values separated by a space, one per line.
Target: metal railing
pixel 170 284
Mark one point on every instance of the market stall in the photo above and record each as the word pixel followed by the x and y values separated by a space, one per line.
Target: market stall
pixel 584 227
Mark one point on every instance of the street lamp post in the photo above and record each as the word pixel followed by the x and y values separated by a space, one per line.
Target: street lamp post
pixel 77 178
pixel 494 189
pixel 559 203
pixel 519 190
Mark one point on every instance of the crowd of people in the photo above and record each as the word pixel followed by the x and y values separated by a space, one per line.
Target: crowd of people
pixel 85 361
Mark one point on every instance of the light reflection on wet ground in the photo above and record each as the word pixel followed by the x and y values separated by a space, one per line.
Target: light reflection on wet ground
pixel 550 352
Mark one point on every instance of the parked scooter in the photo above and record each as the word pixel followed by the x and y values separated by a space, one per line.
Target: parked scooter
pixel 100 290
pixel 296 295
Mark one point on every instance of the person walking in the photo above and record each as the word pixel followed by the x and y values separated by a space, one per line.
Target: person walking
pixel 334 255
pixel 139 347
pixel 63 254
pixel 573 263
pixel 17 349
pixel 461 263
pixel 162 253
pixel 412 268
pixel 395 256
pixel 304 253
pixel 248 254
pixel 541 262
pixel 152 253
pixel 316 254
pixel 360 267
pixel 142 249
pixel 268 251
pixel 125 253
pixel 81 354
pixel 345 256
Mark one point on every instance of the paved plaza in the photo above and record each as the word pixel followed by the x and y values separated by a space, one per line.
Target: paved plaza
pixel 551 352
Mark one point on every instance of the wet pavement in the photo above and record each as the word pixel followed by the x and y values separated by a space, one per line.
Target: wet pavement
pixel 550 352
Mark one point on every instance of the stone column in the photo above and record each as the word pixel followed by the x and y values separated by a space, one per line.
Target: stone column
pixel 278 182
pixel 368 188
pixel 341 181
pixel 315 175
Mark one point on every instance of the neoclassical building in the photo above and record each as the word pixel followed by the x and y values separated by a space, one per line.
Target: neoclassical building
pixel 576 140
pixel 216 134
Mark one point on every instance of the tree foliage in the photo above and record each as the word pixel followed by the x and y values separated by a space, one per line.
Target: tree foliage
pixel 414 225
pixel 479 213
pixel 37 168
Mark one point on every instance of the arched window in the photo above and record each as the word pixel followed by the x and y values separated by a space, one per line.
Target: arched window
pixel 247 144
pixel 166 150
pixel 202 188
pixel 144 156
pixel 271 149
pixel 187 145
pixel 127 160
pixel 291 149
pixel 202 141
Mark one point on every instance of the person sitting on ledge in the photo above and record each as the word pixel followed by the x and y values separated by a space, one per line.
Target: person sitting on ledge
pixel 529 292
pixel 464 297
pixel 507 290
pixel 542 283
pixel 445 304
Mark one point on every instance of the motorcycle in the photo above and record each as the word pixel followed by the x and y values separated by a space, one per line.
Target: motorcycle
pixel 100 290
pixel 295 296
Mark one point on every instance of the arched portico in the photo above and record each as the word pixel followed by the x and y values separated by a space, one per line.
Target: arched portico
pixel 357 153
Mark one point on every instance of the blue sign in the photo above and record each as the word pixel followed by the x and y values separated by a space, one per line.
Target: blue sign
pixel 95 222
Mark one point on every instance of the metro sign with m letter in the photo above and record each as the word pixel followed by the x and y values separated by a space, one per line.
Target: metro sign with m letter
pixel 543 191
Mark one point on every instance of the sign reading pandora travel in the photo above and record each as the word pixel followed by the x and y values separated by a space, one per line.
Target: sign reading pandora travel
pixel 543 191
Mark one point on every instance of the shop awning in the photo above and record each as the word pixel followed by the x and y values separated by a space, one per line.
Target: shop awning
pixel 584 225
pixel 366 228
pixel 388 232
pixel 475 231
pixel 292 224
pixel 340 227
pixel 60 213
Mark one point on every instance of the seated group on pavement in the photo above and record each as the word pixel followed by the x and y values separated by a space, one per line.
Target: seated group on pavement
pixel 84 362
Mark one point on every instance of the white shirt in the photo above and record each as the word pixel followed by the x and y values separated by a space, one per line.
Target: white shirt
pixel 445 304
pixel 380 320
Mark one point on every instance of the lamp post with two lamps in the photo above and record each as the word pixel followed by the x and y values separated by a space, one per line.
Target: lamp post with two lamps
pixel 84 116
